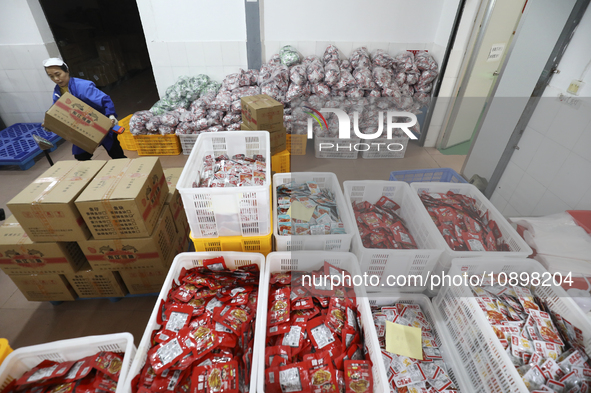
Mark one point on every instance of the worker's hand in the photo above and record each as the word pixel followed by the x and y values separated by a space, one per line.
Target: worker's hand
pixel 114 121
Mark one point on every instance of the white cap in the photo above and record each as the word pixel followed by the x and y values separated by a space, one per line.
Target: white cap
pixel 54 62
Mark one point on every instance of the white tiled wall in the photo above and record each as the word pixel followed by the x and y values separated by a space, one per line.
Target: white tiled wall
pixel 216 59
pixel 551 170
pixel 25 89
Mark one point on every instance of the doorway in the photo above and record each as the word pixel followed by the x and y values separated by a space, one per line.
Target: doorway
pixel 480 71
pixel 103 41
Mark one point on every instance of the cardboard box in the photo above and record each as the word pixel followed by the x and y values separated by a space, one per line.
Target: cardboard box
pixel 77 52
pixel 100 72
pixel 174 201
pixel 278 139
pixel 154 252
pixel 77 122
pixel 44 287
pixel 261 112
pixel 144 281
pixel 19 255
pixel 90 284
pixel 109 49
pixel 125 199
pixel 46 209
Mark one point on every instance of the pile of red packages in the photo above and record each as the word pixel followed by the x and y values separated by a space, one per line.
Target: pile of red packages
pixel 405 374
pixel 206 335
pixel 547 350
pixel 314 339
pixel 380 227
pixel 462 225
pixel 98 373
pixel 238 171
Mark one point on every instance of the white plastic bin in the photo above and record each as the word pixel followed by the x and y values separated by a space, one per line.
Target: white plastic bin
pixel 344 149
pixel 384 262
pixel 518 246
pixel 480 353
pixel 448 352
pixel 228 211
pixel 187 142
pixel 24 359
pixel 189 260
pixel 314 242
pixel 308 261
pixel 380 148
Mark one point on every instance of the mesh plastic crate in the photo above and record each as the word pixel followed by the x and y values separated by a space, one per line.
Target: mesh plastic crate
pixel 518 247
pixel 446 345
pixel 314 242
pixel 380 148
pixel 5 349
pixel 17 146
pixel 24 359
pixel 297 144
pixel 158 145
pixel 383 262
pixel 446 175
pixel 280 162
pixel 232 211
pixel 308 261
pixel 126 139
pixel 481 354
pixel 190 260
pixel 335 148
pixel 187 142
pixel 261 244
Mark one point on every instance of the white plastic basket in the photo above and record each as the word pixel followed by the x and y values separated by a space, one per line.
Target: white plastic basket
pixel 378 148
pixel 228 211
pixel 480 353
pixel 341 148
pixel 314 242
pixel 448 352
pixel 187 142
pixel 24 359
pixel 383 262
pixel 189 260
pixel 518 246
pixel 308 261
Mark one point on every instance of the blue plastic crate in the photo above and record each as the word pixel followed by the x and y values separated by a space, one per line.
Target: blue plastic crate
pixel 17 146
pixel 446 175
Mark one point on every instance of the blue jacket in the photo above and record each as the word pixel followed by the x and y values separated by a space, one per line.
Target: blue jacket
pixel 88 92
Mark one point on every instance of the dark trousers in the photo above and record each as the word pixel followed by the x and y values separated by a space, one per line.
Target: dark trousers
pixel 115 152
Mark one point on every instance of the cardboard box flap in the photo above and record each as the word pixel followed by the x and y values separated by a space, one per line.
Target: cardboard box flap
pixel 11 232
pixel 172 176
pixel 120 179
pixel 59 184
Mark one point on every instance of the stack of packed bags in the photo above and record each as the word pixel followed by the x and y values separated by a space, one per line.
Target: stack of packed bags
pixel 94 229
pixel 375 81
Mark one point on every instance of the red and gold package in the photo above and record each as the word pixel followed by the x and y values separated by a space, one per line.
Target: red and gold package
pixel 290 378
pixel 215 264
pixel 337 314
pixel 234 318
pixel 526 299
pixel 279 309
pixel 109 363
pixel 222 378
pixel 166 354
pixel 319 333
pixel 545 327
pixel 358 376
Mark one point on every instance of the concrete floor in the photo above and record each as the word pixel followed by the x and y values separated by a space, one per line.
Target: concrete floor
pixel 28 323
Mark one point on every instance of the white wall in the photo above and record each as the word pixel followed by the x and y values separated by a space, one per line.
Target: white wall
pixel 189 37
pixel 551 171
pixel 25 41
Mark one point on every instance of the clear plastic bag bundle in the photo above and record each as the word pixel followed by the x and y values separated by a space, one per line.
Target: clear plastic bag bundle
pixel 363 77
pixel 360 58
pixel 331 54
pixel 137 123
pixel 289 56
pixel 380 58
pixel 381 76
pixel 332 73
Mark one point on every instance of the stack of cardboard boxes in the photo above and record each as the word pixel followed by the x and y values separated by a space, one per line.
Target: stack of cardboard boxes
pixel 93 229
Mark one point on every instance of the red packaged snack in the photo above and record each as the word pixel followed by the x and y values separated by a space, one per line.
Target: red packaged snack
pixel 215 264
pixel 278 329
pixel 279 307
pixel 281 352
pixel 289 378
pixel 38 374
pixel 319 333
pixel 206 339
pixel 387 203
pixel 222 378
pixel 337 314
pixel 358 377
pixel 164 355
pixel 109 363
pixel 232 317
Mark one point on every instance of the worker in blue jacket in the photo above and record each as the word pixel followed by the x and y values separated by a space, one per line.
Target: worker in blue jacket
pixel 86 91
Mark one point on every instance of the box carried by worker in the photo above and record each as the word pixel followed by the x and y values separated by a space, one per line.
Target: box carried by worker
pixel 77 122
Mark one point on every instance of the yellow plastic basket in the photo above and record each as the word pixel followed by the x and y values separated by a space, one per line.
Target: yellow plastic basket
pixel 5 349
pixel 262 244
pixel 126 139
pixel 280 162
pixel 158 145
pixel 296 144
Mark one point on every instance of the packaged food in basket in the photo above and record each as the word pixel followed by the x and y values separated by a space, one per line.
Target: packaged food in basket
pixel 547 350
pixel 238 171
pixel 99 372
pixel 205 342
pixel 306 209
pixel 381 227
pixel 314 342
pixel 462 225
pixel 406 374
